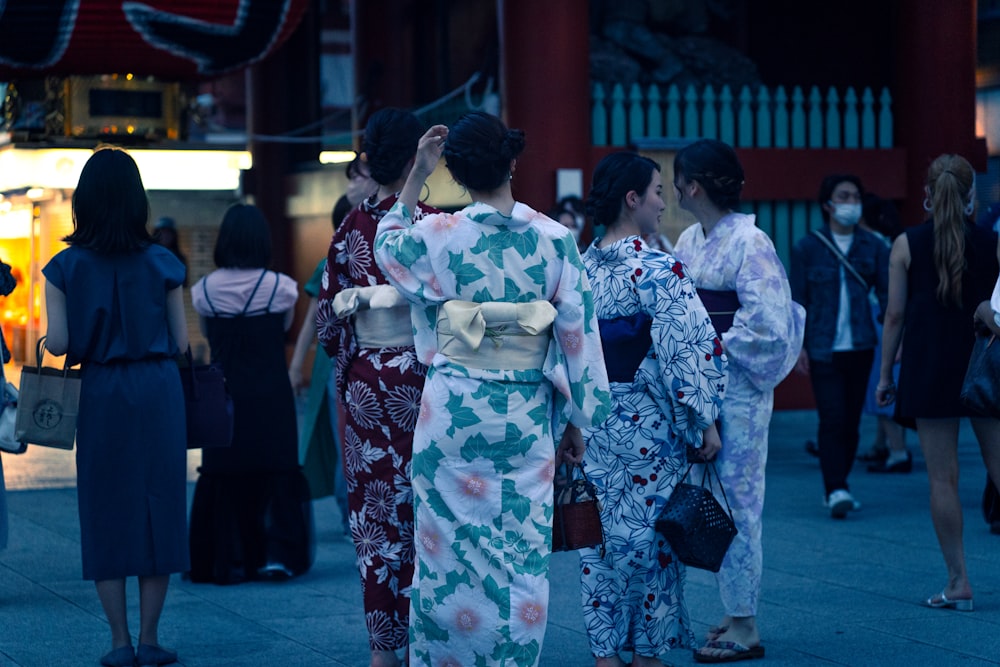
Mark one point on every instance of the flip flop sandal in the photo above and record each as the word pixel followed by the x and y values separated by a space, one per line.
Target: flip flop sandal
pixel 737 652
pixel 715 632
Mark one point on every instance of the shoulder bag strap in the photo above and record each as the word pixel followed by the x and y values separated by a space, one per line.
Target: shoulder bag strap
pixel 843 258
pixel 246 308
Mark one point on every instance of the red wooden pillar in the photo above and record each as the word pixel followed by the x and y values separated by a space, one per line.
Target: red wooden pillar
pixel 935 96
pixel 545 88
pixel 282 95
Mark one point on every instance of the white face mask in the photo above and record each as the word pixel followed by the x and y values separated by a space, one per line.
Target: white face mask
pixel 846 214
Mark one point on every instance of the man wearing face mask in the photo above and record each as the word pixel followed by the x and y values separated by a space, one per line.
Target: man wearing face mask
pixel 835 271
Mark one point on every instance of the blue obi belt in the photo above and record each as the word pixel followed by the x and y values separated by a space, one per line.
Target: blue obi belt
pixel 626 341
pixel 721 306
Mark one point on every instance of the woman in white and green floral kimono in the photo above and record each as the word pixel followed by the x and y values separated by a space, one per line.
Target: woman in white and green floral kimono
pixel 503 316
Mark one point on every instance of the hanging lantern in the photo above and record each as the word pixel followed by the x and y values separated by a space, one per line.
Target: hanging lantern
pixel 169 39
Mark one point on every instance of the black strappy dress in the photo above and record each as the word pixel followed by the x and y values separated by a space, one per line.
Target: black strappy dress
pixel 251 514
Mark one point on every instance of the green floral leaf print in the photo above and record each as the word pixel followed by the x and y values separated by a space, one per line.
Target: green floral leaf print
pixel 466 273
pixel 482 296
pixel 539 415
pixel 511 292
pixel 426 574
pixel 525 243
pixel 534 563
pixel 472 533
pixel 536 272
pixel 461 417
pixel 492 589
pixel 527 385
pixel 520 443
pixel 524 655
pixel 493 394
pixel 477 447
pixel 408 250
pixel 452 580
pixel 519 506
pixel 493 245
pixel 517 546
pixel 491 558
pixel 438 505
pixel 432 631
pixel 426 463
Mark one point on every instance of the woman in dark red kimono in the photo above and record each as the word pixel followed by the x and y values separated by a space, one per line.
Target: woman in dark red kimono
pixel 364 324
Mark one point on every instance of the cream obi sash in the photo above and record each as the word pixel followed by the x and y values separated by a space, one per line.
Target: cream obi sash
pixel 381 315
pixel 518 333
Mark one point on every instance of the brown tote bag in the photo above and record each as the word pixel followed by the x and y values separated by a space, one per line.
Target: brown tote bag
pixel 48 405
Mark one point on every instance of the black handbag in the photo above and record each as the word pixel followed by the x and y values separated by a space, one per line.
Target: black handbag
pixel 981 387
pixel 576 518
pixel 695 525
pixel 209 405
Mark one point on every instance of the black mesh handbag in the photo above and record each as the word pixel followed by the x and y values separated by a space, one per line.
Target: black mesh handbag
pixel 698 529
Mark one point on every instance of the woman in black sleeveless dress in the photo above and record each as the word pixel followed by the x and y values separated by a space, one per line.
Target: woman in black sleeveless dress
pixel 939 272
pixel 251 514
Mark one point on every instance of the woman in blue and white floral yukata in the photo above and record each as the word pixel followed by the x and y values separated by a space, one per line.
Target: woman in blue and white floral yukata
pixel 668 377
pixel 504 319
pixel 740 279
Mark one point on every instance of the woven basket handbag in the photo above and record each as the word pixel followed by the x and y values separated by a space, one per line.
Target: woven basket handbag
pixel 576 519
pixel 698 529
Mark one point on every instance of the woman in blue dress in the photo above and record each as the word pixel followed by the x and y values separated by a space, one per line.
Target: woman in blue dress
pixel 668 375
pixel 115 306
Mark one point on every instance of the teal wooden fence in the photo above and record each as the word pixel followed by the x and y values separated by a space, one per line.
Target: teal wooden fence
pixel 761 118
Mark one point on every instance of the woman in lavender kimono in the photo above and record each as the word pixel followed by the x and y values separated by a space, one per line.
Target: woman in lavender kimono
pixel 668 376
pixel 364 324
pixel 736 270
pixel 503 316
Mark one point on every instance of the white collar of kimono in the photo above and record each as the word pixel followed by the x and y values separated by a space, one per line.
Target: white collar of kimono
pixel 623 247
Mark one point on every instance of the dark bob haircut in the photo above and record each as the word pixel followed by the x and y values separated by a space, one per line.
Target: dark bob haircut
pixel 479 149
pixel 244 240
pixel 615 176
pixel 110 207
pixel 714 165
pixel 830 184
pixel 391 138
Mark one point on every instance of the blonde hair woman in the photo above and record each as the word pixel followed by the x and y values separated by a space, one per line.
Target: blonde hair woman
pixel 939 272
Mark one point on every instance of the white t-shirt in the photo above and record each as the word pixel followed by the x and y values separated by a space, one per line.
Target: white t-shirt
pixel 844 340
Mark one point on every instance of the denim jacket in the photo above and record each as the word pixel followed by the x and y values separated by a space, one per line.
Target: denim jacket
pixel 815 281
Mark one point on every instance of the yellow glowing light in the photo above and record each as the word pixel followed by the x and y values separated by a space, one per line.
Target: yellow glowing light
pixel 336 157
pixel 59 168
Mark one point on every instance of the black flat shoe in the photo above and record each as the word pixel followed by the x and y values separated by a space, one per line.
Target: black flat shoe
pixel 123 656
pixel 905 465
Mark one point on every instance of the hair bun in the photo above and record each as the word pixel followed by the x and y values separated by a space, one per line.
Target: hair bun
pixel 512 144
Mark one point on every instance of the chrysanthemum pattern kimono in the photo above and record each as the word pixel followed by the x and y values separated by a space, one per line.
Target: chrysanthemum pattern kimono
pixel 483 449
